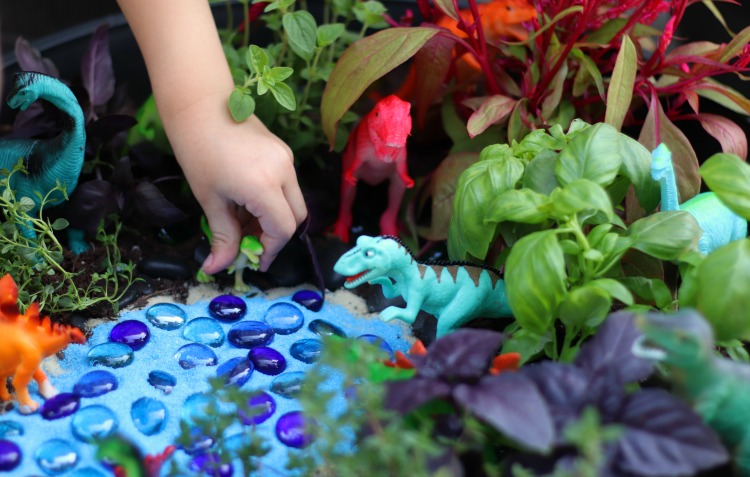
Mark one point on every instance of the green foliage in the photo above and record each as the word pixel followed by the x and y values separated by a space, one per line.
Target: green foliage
pixel 31 263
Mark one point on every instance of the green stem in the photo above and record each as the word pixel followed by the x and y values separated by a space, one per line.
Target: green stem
pixel 246 20
pixel 230 16
pixel 311 72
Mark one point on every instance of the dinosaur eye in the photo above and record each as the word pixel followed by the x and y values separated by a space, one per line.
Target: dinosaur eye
pixel 23 92
pixel 369 253
pixel 377 114
pixel 509 8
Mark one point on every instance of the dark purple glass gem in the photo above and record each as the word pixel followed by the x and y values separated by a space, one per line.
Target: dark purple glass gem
pixel 95 383
pixel 324 328
pixel 379 342
pixel 210 464
pixel 267 360
pixel 307 350
pixel 259 408
pixel 249 334
pixel 62 405
pixel 227 308
pixel 309 299
pixel 236 370
pixel 199 443
pixel 133 333
pixel 10 455
pixel 292 429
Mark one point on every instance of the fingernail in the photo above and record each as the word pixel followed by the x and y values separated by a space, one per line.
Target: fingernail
pixel 208 262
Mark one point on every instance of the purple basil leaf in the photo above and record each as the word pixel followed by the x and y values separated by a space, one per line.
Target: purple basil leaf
pixel 405 396
pixel 29 59
pixel 96 68
pixel 611 348
pixel 34 121
pixel 564 387
pixel 154 207
pixel 90 203
pixel 463 354
pixel 663 437
pixel 123 174
pixel 606 393
pixel 511 403
pixel 107 127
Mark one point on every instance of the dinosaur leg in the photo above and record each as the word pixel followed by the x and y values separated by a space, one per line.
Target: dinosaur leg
pixel 453 315
pixel 344 221
pixel 46 389
pixel 77 241
pixel 4 393
pixel 389 219
pixel 740 229
pixel 21 381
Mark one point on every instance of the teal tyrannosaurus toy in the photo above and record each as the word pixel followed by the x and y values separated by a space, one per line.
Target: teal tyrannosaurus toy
pixel 719 224
pixel 454 292
pixel 718 388
pixel 47 161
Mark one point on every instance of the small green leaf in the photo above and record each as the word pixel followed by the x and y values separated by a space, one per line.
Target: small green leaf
pixel 278 73
pixel 729 178
pixel 593 154
pixel 539 141
pixel 26 204
pixel 59 224
pixel 665 235
pixel 649 289
pixel 284 95
pixel 581 196
pixel 263 86
pixel 328 34
pixel 370 13
pixel 540 173
pixel 301 30
pixel 517 205
pixel 241 105
pixel 493 110
pixel 614 289
pixel 586 305
pixel 256 59
pixel 620 90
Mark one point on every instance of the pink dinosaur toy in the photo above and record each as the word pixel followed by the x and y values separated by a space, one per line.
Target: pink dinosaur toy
pixel 376 151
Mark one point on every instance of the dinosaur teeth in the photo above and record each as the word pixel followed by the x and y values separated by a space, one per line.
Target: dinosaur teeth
pixel 354 278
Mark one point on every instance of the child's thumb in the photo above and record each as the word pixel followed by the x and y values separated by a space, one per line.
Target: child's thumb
pixel 225 242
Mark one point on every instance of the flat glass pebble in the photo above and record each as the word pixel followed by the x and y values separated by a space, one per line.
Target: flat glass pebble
pixel 210 464
pixel 309 299
pixel 236 370
pixel 62 405
pixel 379 342
pixel 324 328
pixel 227 308
pixel 307 350
pixel 249 334
pixel 291 430
pixel 95 383
pixel 133 333
pixel 199 443
pixel 10 455
pixel 284 318
pixel 288 385
pixel 166 316
pixel 259 408
pixel 86 472
pixel 10 429
pixel 196 406
pixel 56 456
pixel 112 355
pixel 93 423
pixel 195 354
pixel 162 380
pixel 149 415
pixel 267 360
pixel 205 331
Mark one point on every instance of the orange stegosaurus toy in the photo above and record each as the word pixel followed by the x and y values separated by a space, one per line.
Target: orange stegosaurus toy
pixel 25 340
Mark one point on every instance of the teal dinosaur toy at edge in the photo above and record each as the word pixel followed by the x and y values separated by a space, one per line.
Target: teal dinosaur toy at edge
pixel 718 388
pixel 455 292
pixel 47 161
pixel 719 224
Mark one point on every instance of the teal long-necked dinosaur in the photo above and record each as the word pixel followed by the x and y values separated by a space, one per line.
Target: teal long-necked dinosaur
pixel 718 388
pixel 46 161
pixel 455 292
pixel 719 224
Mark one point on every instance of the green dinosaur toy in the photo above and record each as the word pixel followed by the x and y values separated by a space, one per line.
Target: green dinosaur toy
pixel 719 224
pixel 717 387
pixel 47 161
pixel 248 257
pixel 455 292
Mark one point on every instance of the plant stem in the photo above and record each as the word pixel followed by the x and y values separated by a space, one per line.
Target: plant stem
pixel 311 71
pixel 246 21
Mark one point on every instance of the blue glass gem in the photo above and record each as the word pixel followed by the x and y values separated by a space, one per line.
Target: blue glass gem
pixel 62 405
pixel 112 355
pixel 309 299
pixel 379 342
pixel 236 370
pixel 227 308
pixel 284 318
pixel 56 456
pixel 93 423
pixel 133 333
pixel 10 429
pixel 194 354
pixel 166 316
pixel 267 360
pixel 205 331
pixel 95 383
pixel 162 380
pixel 292 429
pixel 210 464
pixel 149 415
pixel 86 472
pixel 324 328
pixel 10 455
pixel 307 350
pixel 199 443
pixel 197 406
pixel 259 408
pixel 288 385
pixel 249 334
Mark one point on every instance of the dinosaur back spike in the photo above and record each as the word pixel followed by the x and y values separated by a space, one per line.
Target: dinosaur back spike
pixel 32 311
pixel 8 298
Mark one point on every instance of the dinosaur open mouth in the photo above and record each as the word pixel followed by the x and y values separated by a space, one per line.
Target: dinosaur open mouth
pixel 357 279
pixel 643 348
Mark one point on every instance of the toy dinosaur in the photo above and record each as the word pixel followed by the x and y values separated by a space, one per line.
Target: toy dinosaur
pixel 128 460
pixel 719 224
pixel 455 292
pixel 47 161
pixel 247 257
pixel 717 387
pixel 376 151
pixel 28 340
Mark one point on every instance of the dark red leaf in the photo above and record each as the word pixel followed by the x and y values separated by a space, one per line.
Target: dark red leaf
pixel 107 127
pixel 96 68
pixel 29 59
pixel 463 354
pixel 90 203
pixel 154 207
pixel 405 396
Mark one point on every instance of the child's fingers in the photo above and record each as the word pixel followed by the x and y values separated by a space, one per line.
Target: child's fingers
pixel 225 231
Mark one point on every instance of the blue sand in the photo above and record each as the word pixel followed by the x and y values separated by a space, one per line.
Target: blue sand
pixel 31 432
